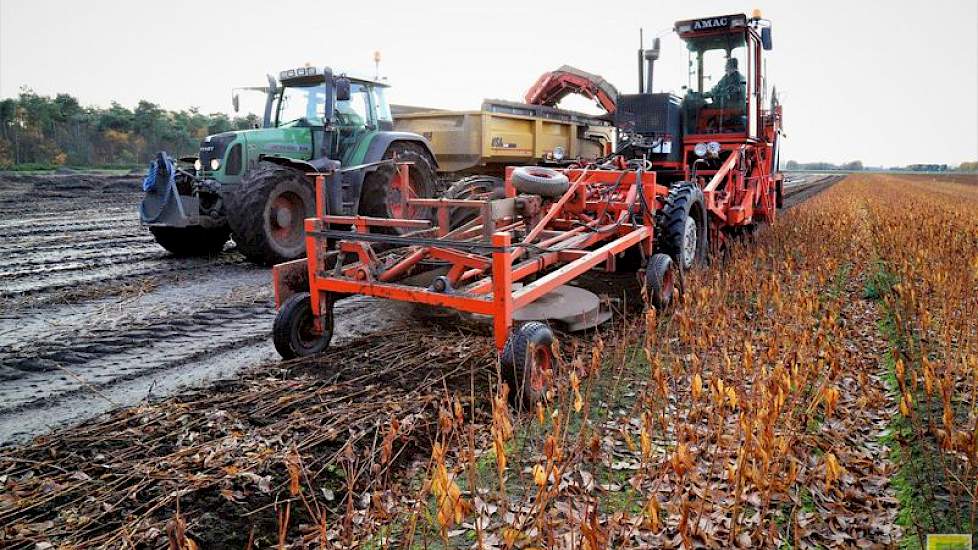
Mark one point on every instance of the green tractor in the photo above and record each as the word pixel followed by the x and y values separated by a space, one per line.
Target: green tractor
pixel 255 185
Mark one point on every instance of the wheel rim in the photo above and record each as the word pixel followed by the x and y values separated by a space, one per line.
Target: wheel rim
pixel 395 198
pixel 689 242
pixel 285 218
pixel 668 286
pixel 540 366
pixel 305 335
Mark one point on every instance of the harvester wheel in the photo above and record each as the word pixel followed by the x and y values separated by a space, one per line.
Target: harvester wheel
pixel 191 241
pixel 528 362
pixel 682 226
pixel 267 213
pixel 660 281
pixel 381 196
pixel 294 331
pixel 472 188
pixel 537 180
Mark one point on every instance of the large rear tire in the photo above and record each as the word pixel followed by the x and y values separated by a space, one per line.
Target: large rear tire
pixel 267 213
pixel 191 241
pixel 682 226
pixel 381 195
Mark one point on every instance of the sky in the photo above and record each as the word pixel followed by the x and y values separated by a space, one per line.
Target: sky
pixel 889 83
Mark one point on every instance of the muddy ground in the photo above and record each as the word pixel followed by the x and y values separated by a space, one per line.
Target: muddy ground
pixel 94 315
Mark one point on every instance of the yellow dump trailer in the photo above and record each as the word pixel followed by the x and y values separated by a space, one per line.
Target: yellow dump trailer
pixel 504 134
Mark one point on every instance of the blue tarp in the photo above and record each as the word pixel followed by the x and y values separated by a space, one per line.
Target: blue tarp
pixel 156 171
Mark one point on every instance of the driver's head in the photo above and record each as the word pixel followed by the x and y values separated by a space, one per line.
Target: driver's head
pixel 731 65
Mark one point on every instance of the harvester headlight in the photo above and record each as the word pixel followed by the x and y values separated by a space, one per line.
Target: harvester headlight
pixel 198 165
pixel 215 164
pixel 558 153
pixel 700 149
pixel 713 148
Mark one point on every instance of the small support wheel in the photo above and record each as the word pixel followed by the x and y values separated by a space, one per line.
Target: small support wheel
pixel 294 332
pixel 660 281
pixel 528 362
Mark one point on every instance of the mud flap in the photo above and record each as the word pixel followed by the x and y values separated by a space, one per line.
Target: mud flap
pixel 288 279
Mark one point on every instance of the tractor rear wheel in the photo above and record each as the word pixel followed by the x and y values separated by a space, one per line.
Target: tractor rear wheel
pixel 382 197
pixel 294 331
pixel 472 188
pixel 682 226
pixel 660 281
pixel 267 213
pixel 191 241
pixel 528 362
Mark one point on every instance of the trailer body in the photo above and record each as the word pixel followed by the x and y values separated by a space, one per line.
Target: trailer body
pixel 504 133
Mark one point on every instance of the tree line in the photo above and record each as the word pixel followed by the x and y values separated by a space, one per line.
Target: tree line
pixel 43 132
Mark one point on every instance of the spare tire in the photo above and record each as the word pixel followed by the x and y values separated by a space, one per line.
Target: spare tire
pixel 537 180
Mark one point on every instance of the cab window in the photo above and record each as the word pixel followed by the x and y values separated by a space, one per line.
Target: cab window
pixel 354 112
pixel 301 105
pixel 716 97
pixel 383 108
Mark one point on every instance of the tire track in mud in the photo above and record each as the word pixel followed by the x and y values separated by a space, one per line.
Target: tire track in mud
pixel 106 355
pixel 106 273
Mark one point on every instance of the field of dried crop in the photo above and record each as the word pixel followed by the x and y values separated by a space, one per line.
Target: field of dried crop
pixel 816 389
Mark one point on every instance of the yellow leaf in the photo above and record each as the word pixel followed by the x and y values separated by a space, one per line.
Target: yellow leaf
pixel 539 475
pixel 697 386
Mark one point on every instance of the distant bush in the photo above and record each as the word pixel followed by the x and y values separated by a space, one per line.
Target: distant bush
pixel 41 132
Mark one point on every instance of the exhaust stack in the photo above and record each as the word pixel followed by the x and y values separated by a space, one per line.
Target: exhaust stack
pixel 641 55
pixel 650 57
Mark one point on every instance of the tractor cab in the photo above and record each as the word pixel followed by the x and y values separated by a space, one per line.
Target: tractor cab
pixel 257 185
pixel 352 108
pixel 725 80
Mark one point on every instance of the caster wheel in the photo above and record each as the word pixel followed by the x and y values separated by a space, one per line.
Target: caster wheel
pixel 660 281
pixel 294 331
pixel 528 362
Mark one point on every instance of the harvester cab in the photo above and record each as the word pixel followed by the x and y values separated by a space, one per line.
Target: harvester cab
pixel 721 105
pixel 255 184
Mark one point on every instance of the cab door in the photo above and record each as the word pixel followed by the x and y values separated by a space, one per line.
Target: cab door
pixel 754 85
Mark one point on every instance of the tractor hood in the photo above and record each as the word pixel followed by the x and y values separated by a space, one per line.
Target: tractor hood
pixel 214 147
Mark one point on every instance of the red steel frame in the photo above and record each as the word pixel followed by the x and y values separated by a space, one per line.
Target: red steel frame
pixel 597 218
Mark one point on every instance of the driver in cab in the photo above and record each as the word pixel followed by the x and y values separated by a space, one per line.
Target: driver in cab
pixel 731 90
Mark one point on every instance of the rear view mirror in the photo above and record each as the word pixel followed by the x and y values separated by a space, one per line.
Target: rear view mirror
pixel 766 38
pixel 235 102
pixel 342 88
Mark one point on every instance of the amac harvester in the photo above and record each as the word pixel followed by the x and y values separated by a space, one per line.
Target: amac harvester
pixel 689 174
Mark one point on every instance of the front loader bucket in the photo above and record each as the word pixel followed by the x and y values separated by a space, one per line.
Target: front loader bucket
pixel 161 204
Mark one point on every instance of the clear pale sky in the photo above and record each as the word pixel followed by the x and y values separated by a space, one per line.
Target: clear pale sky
pixel 889 83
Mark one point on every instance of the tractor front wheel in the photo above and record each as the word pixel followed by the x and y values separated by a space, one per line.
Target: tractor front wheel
pixel 528 362
pixel 267 213
pixel 191 241
pixel 294 331
pixel 683 226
